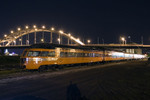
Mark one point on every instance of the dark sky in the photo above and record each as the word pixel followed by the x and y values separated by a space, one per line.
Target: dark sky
pixel 88 19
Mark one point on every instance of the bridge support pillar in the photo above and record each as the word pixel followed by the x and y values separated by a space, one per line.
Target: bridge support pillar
pixel 103 55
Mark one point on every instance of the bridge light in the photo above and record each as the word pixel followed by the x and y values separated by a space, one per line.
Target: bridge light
pixel 20 39
pixel 61 32
pixel 52 29
pixel 19 29
pixel 27 27
pixel 36 29
pixel 5 35
pixel 34 26
pixel 69 34
pixel 11 31
pixel 71 37
pixel 88 41
pixel 43 27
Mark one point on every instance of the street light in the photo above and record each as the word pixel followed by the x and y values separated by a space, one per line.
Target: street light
pixel 123 40
pixel 34 26
pixel 20 34
pixel 27 27
pixel 19 29
pixel 27 36
pixel 58 40
pixel 52 29
pixel 5 35
pixel 42 40
pixel 35 36
pixel 12 32
pixel 68 37
pixel 88 41
pixel 61 32
pixel 43 27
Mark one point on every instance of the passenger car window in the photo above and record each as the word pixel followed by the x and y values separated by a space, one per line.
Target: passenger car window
pixel 44 53
pixel 51 54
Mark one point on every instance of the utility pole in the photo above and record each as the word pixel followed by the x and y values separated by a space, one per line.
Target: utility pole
pixel 103 41
pixel 142 40
pixel 98 40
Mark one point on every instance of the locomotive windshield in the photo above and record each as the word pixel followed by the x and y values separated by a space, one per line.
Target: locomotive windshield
pixel 33 53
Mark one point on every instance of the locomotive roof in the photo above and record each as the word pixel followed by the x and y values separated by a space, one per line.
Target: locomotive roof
pixel 53 46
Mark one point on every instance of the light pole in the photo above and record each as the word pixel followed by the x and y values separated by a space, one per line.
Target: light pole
pixel 5 36
pixel 68 37
pixel 52 29
pixel 60 32
pixel 34 34
pixel 20 35
pixel 12 32
pixel 27 36
pixel 43 27
pixel 58 40
pixel 123 40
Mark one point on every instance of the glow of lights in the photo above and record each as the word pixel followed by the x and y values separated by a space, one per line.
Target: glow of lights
pixel 58 39
pixel 61 32
pixel 27 27
pixel 5 35
pixel 34 26
pixel 19 39
pixel 69 34
pixel 36 29
pixel 19 29
pixel 52 29
pixel 123 39
pixel 71 37
pixel 11 31
pixel 88 41
pixel 42 40
pixel 43 27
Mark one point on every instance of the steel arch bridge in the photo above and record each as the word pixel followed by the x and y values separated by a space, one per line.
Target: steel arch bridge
pixel 10 39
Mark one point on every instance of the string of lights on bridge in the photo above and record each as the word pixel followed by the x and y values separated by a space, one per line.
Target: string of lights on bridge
pixel 10 39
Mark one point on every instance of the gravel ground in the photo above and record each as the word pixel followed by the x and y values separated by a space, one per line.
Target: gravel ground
pixel 115 81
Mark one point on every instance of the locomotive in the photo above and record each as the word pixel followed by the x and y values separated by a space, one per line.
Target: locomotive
pixel 45 55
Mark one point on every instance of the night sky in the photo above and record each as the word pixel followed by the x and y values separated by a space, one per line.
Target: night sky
pixel 86 19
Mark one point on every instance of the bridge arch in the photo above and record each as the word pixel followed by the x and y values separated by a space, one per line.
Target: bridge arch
pixel 13 36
